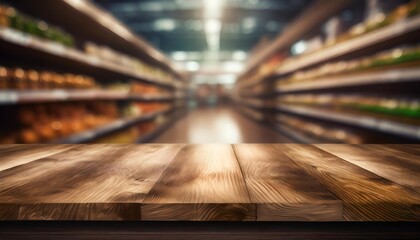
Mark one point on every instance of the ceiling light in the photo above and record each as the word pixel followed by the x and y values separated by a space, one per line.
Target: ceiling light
pixel 239 55
pixel 233 66
pixel 213 26
pixel 192 66
pixel 179 56
pixel 164 25
pixel 213 9
pixel 212 29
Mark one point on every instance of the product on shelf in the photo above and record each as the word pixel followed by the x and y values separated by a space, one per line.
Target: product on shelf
pixel 400 56
pixel 382 20
pixel 21 79
pixel 148 89
pixel 132 134
pixel 320 131
pixel 142 89
pixel 110 55
pixel 128 135
pixel 135 109
pixel 11 18
pixel 45 122
pixel 409 108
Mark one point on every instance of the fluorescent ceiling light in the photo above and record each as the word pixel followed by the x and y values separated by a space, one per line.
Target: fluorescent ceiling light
pixel 164 24
pixel 213 9
pixel 213 26
pixel 233 66
pixel 239 55
pixel 212 22
pixel 179 56
pixel 192 66
pixel 212 29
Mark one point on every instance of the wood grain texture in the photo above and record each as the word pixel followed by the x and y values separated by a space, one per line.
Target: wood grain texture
pixel 14 155
pixel 366 196
pixel 87 182
pixel 281 190
pixel 203 183
pixel 395 165
pixel 209 182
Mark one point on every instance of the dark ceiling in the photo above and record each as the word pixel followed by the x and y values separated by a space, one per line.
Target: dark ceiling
pixel 177 25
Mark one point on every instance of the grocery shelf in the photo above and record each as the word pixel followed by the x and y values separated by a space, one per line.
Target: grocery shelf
pixel 156 132
pixel 54 53
pixel 8 97
pixel 379 39
pixel 314 15
pixel 90 135
pixel 402 75
pixel 89 21
pixel 251 113
pixel 373 123
pixel 293 134
pixel 397 32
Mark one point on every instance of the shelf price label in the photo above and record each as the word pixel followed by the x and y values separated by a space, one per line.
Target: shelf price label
pixel 14 36
pixel 8 97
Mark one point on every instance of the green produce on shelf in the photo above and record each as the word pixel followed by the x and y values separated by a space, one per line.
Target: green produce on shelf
pixel 10 17
pixel 408 108
pixel 394 57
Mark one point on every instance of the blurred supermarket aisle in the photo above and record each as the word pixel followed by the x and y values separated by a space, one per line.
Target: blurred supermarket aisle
pixel 218 125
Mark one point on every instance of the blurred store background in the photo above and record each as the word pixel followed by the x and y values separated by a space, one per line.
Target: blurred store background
pixel 209 71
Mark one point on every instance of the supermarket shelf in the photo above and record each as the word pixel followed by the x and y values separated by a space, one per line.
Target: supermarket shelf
pixel 395 32
pixel 313 16
pixel 386 37
pixel 251 113
pixel 93 23
pixel 293 134
pixel 256 106
pixel 155 133
pixel 90 135
pixel 58 53
pixel 358 79
pixel 8 97
pixel 372 123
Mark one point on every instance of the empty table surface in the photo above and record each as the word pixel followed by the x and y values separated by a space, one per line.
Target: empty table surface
pixel 207 182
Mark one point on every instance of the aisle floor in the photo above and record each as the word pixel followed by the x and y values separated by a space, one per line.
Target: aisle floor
pixel 218 125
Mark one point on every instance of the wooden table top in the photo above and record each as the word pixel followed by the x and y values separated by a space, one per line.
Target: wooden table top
pixel 263 182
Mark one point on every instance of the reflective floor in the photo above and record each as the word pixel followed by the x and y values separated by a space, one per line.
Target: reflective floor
pixel 218 125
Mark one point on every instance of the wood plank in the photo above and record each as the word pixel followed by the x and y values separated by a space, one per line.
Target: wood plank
pixel 407 148
pixel 203 183
pixel 395 165
pixel 88 182
pixel 12 155
pixel 366 196
pixel 281 190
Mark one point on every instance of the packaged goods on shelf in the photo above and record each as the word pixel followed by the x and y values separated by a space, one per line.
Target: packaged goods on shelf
pixel 131 134
pixel 23 79
pixel 44 122
pixel 382 20
pixel 135 109
pixel 320 132
pixel 151 90
pixel 11 18
pixel 408 108
pixel 137 88
pixel 128 135
pixel 108 54
pixel 397 57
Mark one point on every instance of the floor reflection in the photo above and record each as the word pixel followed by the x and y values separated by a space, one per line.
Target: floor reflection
pixel 218 125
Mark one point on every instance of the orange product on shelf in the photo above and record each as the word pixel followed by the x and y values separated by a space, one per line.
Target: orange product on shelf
pixel 21 79
pixel 46 122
